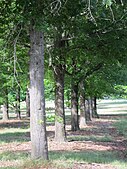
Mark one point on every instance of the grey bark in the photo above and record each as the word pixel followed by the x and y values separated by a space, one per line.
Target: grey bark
pixel 74 107
pixel 18 112
pixel 95 114
pixel 39 147
pixel 27 102
pixel 5 107
pixel 87 109
pixel 60 134
pixel 82 105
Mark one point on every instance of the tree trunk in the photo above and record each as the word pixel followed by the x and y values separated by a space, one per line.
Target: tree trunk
pixel 87 110
pixel 37 100
pixel 27 102
pixel 5 107
pixel 95 114
pixel 18 112
pixel 60 134
pixel 82 106
pixel 74 107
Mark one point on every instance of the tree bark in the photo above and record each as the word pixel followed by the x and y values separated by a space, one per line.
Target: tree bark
pixel 74 107
pixel 27 102
pixel 82 106
pixel 37 100
pixel 87 110
pixel 5 107
pixel 95 114
pixel 60 134
pixel 18 112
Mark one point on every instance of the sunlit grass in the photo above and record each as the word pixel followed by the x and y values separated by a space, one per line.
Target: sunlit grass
pixel 8 155
pixel 120 164
pixel 62 160
pixel 15 158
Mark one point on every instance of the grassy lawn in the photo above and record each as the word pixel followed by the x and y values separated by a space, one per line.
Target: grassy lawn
pixel 93 144
pixel 112 107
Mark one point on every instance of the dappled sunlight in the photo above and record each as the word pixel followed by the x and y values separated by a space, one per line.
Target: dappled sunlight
pixel 79 146
pixel 15 146
pixel 96 144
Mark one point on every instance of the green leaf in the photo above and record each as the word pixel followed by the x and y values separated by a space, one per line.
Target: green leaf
pixel 107 3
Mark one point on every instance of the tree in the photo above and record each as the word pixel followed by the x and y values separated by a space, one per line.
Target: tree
pixel 5 106
pixel 24 21
pixel 37 103
pixel 27 102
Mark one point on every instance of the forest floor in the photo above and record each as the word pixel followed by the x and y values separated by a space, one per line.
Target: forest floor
pixel 99 145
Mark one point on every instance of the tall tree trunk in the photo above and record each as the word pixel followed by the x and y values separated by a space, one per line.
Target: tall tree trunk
pixel 27 102
pixel 87 109
pixel 37 100
pixel 82 105
pixel 74 107
pixel 5 107
pixel 18 112
pixel 95 114
pixel 60 134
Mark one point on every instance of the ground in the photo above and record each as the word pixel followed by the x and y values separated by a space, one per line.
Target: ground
pixel 98 145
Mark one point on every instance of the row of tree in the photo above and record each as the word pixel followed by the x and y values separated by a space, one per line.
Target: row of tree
pixel 85 48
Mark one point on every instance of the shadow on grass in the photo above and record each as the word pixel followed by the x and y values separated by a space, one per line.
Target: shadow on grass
pixel 87 156
pixel 92 138
pixel 14 137
pixel 23 124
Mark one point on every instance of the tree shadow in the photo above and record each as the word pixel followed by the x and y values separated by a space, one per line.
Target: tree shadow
pixel 23 124
pixel 14 137
pixel 87 156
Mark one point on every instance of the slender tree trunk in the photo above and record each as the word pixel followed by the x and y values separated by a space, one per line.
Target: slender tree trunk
pixel 74 107
pixel 82 106
pixel 18 112
pixel 60 134
pixel 87 110
pixel 27 102
pixel 5 107
pixel 37 100
pixel 92 106
pixel 95 114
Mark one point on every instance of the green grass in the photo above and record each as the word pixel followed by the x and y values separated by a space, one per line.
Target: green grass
pixel 93 138
pixel 61 163
pixel 14 157
pixel 121 126
pixel 86 156
pixel 62 159
pixel 9 167
pixel 14 135
pixel 10 156
pixel 120 164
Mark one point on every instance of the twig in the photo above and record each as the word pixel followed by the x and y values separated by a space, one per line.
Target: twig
pixel 91 15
